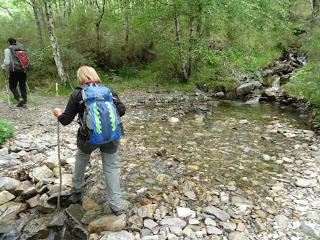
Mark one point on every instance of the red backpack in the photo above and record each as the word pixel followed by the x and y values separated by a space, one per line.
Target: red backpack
pixel 20 61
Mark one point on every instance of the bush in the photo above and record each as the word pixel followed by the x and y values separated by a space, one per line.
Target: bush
pixel 6 130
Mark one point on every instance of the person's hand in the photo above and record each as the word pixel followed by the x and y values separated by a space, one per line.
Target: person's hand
pixel 57 112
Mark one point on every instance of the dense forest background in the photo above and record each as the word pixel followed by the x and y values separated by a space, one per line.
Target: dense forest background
pixel 189 43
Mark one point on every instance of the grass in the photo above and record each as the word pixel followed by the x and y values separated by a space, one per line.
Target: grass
pixel 6 130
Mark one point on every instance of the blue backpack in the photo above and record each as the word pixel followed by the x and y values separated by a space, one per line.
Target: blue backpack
pixel 101 119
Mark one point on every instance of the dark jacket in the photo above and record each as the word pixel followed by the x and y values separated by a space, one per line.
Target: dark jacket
pixel 75 107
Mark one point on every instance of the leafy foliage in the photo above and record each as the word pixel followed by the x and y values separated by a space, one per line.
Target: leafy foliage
pixel 6 130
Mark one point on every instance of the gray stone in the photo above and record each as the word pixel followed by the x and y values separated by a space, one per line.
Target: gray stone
pixel 176 230
pixel 147 211
pixel 36 228
pixel 210 222
pixel 246 88
pixel 228 227
pixel 121 235
pixel 222 215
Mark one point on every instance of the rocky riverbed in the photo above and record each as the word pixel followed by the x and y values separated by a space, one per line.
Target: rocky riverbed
pixel 191 168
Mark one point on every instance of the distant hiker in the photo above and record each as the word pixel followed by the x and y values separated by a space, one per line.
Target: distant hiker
pixel 16 62
pixel 99 111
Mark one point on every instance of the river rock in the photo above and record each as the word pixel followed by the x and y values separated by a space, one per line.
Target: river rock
pixel 121 235
pixel 5 197
pixel 7 183
pixel 108 223
pixel 29 193
pixel 176 230
pixel 228 226
pixel 66 180
pixel 246 88
pixel 210 222
pixel 34 201
pixel 10 210
pixel 222 215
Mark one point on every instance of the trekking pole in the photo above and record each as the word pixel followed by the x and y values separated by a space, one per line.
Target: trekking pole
pixel 7 90
pixel 59 158
pixel 29 91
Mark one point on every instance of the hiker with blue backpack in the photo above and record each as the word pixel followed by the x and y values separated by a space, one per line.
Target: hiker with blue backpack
pixel 99 111
pixel 16 62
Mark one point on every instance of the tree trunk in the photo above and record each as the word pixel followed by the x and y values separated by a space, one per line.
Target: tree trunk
pixel 54 44
pixel 38 23
pixel 191 45
pixel 315 8
pixel 126 20
pixel 101 11
pixel 183 72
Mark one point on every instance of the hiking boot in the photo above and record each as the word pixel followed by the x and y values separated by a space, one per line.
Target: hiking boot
pixel 20 103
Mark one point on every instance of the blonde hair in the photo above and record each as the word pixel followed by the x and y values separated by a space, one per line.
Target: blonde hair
pixel 87 74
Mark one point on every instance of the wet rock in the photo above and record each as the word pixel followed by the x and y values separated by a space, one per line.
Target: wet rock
pixel 171 221
pixel 10 210
pixel 237 236
pixel 5 197
pixel 7 183
pixel 222 215
pixel 107 223
pixel 122 235
pixel 246 88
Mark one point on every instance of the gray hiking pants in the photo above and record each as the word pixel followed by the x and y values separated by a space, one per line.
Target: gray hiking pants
pixel 110 163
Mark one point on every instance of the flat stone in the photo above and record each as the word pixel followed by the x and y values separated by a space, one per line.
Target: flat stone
pixel 147 211
pixel 34 201
pixel 149 223
pixel 302 182
pixel 7 183
pixel 281 221
pixel 171 221
pixel 176 230
pixel 121 235
pixel 221 215
pixel 228 227
pixel 5 197
pixel 66 180
pixel 10 210
pixel 42 173
pixel 212 230
pixel 237 236
pixel 108 223
pixel 185 212
pixel 210 222
pixel 311 229
pixel 191 195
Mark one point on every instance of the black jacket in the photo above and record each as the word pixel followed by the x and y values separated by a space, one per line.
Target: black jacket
pixel 75 107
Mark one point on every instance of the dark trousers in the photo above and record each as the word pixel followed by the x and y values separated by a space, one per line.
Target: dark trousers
pixel 14 79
